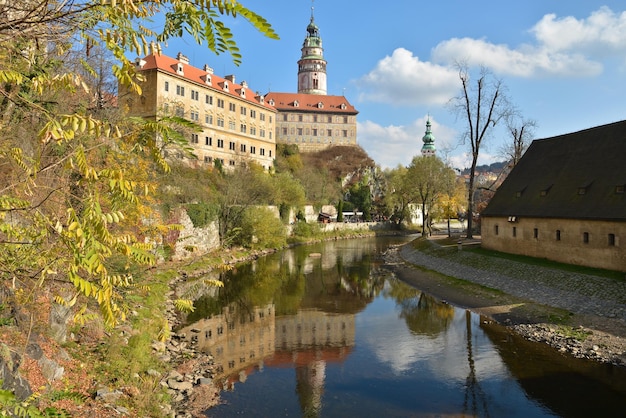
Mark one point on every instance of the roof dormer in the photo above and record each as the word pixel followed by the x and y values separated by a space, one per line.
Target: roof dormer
pixel 296 103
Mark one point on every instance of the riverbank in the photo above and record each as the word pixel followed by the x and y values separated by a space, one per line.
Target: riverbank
pixel 579 314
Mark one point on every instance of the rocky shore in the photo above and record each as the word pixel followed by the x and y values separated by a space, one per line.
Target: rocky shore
pixel 578 314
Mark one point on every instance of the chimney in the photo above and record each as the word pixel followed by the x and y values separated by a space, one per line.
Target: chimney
pixel 230 78
pixel 208 69
pixel 180 57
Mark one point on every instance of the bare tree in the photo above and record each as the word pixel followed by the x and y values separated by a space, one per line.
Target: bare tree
pixel 483 104
pixel 522 133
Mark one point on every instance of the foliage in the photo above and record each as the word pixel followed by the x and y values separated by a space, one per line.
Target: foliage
pixel 201 214
pixel 361 197
pixel 77 176
pixel 260 228
pixel 11 406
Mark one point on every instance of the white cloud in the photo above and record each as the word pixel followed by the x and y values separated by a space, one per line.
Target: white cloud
pixel 603 32
pixel 526 61
pixel 392 145
pixel 402 79
pixel 563 47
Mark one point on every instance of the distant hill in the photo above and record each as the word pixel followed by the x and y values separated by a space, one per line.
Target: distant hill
pixel 493 167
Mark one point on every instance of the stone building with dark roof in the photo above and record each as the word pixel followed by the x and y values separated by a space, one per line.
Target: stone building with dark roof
pixel 565 200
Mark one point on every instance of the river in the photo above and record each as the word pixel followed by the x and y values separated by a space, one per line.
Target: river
pixel 328 330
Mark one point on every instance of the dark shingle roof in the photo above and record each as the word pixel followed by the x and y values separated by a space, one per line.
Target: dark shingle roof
pixel 574 176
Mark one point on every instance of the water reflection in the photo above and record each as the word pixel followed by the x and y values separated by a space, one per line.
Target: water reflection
pixel 327 330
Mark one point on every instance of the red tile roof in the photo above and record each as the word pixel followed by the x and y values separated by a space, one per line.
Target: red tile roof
pixel 196 75
pixel 311 103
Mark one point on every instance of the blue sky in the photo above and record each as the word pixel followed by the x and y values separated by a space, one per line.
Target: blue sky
pixel 563 62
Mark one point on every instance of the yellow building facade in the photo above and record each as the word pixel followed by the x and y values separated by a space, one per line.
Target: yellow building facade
pixel 238 125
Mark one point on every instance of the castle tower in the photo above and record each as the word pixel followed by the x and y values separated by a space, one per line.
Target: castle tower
pixel 429 141
pixel 312 65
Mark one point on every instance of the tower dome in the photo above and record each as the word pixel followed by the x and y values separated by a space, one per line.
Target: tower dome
pixel 429 141
pixel 312 65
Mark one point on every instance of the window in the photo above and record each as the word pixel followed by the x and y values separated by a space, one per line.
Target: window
pixel 330 119
pixel 262 116
pixel 231 125
pixel 208 159
pixel 586 237
pixel 270 153
pixel 329 132
pixel 220 122
pixel 262 133
pixel 536 233
pixel 208 119
pixel 220 143
pixel 253 113
pixel 252 149
pixel 243 111
pixel 180 111
pixel 300 131
pixel 194 138
pixel 345 119
pixel 262 151
pixel 180 90
pixel 252 130
pixel 231 162
pixel 285 131
pixel 231 146
pixel 242 147
pixel 345 133
pixel 194 115
pixel 611 240
pixel 208 140
pixel 232 107
pixel 299 118
pixel 496 229
pixel 514 231
pixel 314 132
pixel 243 128
pixel 167 86
pixel 220 103
pixel 314 118
pixel 195 95
pixel 208 99
pixel 558 235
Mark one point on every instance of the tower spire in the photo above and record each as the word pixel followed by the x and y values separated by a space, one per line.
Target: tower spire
pixel 312 65
pixel 429 140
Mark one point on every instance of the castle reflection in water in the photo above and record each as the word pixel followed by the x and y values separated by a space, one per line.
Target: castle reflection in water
pixel 243 338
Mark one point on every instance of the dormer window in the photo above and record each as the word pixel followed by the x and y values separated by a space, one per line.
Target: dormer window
pixel 320 105
pixel 583 188
pixel 225 86
pixel 545 191
pixel 296 103
pixel 271 102
pixel 243 92
pixel 179 69
pixel 208 80
pixel 343 106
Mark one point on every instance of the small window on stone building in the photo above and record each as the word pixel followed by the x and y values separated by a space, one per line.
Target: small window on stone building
pixel 611 240
pixel 495 231
pixel 514 231
pixel 558 235
pixel 536 233
pixel 586 237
